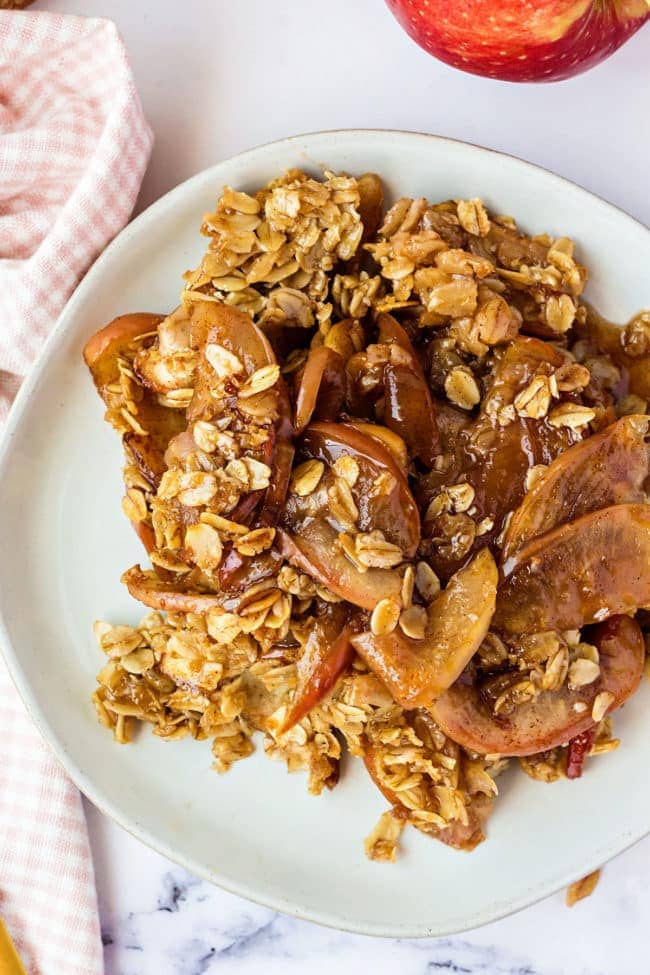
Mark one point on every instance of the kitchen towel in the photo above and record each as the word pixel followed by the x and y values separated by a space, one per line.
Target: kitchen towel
pixel 74 146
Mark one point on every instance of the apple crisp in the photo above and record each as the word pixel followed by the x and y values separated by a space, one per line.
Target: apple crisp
pixel 389 470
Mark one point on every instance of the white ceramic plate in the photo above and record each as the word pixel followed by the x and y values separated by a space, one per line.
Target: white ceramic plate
pixel 65 542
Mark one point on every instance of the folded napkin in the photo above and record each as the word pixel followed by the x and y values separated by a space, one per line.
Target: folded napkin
pixel 74 145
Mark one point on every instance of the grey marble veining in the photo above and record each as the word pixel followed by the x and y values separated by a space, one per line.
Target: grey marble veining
pixel 157 919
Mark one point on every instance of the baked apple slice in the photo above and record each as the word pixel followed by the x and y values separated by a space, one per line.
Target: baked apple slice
pixel 459 835
pixel 153 426
pixel 327 654
pixel 492 457
pixel 371 203
pixel 465 831
pixel 606 469
pixel 382 502
pixel 391 441
pixel 408 410
pixel 160 423
pixel 551 719
pixel 607 339
pixel 321 388
pixel 381 492
pixel 584 572
pixel 315 550
pixel 102 349
pixel 418 671
pixel 170 596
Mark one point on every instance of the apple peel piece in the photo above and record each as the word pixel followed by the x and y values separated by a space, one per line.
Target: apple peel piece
pixel 608 468
pixel 418 671
pixel 551 719
pixel 584 572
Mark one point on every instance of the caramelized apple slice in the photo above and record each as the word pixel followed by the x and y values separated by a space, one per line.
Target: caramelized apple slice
pixel 101 354
pixel 228 328
pixel 371 203
pixel 384 503
pixel 551 719
pixel 146 534
pixel 148 588
pixel 458 834
pixel 417 671
pixel 326 655
pixel 148 452
pixel 391 441
pixel 314 549
pixel 213 323
pixel 276 493
pixel 408 405
pixel 237 573
pixel 235 330
pixel 390 330
pixel 162 424
pixel 389 506
pixel 607 338
pixel 606 469
pixel 493 458
pixel 505 452
pixel 170 363
pixel 409 411
pixel 321 391
pixel 580 573
pixel 102 349
pixel 517 366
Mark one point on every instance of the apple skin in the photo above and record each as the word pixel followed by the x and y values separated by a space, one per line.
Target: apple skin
pixel 521 40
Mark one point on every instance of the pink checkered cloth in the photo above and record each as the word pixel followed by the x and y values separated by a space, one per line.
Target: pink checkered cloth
pixel 74 145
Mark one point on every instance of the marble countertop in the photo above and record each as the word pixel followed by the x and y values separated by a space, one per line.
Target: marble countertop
pixel 157 919
pixel 218 76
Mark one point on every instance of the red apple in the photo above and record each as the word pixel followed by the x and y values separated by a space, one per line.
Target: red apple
pixel 521 40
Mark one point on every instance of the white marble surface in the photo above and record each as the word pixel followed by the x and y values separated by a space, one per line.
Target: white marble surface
pixel 159 920
pixel 218 76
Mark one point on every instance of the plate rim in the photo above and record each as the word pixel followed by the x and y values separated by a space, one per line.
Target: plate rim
pixel 108 806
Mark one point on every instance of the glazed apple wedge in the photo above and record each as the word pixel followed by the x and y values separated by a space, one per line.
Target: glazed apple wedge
pixel 147 426
pixel 462 834
pixel 321 389
pixel 327 654
pixel 103 347
pixel 580 573
pixel 551 719
pixel 606 469
pixel 169 596
pixel 409 410
pixel 316 552
pixel 315 520
pixel 418 671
